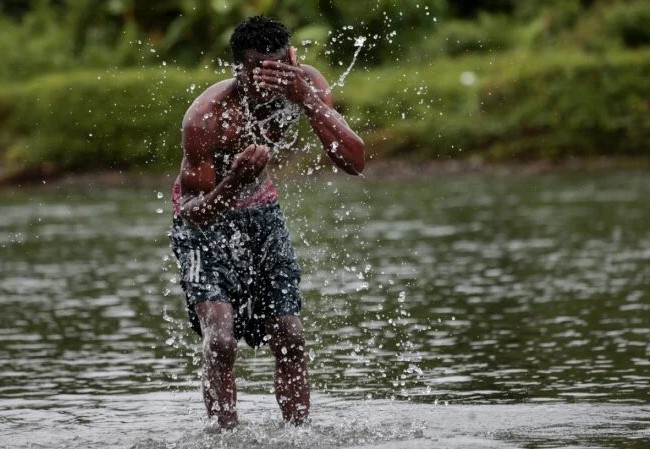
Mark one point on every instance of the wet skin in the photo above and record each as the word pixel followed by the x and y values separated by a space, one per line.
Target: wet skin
pixel 219 160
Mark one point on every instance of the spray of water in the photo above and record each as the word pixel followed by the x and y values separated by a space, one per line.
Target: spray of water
pixel 358 43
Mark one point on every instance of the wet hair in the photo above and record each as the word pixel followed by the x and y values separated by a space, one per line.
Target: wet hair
pixel 259 33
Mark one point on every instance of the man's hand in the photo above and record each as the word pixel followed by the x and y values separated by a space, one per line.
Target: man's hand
pixel 248 164
pixel 288 80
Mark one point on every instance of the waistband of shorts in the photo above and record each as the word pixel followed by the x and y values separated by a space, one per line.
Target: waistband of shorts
pixel 264 193
pixel 237 214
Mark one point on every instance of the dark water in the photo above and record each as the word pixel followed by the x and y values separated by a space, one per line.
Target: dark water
pixel 461 311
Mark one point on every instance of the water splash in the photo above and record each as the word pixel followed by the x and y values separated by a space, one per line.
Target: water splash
pixel 358 43
pixel 285 115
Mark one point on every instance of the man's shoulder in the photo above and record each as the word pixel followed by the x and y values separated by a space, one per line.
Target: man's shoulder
pixel 316 78
pixel 209 100
pixel 311 71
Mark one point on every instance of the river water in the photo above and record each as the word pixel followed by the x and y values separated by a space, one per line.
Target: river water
pixel 478 311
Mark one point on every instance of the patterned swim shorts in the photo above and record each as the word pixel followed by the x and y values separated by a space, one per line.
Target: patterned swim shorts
pixel 245 259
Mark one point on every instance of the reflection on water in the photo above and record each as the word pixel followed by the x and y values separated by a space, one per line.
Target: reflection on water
pixel 460 290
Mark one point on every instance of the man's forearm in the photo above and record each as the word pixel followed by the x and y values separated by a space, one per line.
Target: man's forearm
pixel 342 144
pixel 205 208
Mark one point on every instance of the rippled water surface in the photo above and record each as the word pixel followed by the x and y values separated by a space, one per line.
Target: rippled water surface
pixel 461 311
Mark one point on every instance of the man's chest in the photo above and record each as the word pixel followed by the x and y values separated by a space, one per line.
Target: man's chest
pixel 232 133
pixel 235 129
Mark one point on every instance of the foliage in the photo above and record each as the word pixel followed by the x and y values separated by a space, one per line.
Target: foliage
pixel 516 105
pixel 93 120
pixel 630 23
pixel 609 27
pixel 91 83
pixel 34 46
pixel 57 35
pixel 389 26
pixel 487 34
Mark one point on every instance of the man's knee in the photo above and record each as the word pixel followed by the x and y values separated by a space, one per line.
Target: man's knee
pixel 217 325
pixel 287 337
pixel 220 346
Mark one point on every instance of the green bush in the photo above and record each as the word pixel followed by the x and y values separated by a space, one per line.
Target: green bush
pixel 551 105
pixel 487 34
pixel 46 41
pixel 608 26
pixel 574 106
pixel 36 46
pixel 630 23
pixel 98 120
pixel 496 107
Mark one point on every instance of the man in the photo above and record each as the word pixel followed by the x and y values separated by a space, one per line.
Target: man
pixel 238 268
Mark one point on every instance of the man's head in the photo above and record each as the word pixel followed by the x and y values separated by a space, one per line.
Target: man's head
pixel 262 34
pixel 253 41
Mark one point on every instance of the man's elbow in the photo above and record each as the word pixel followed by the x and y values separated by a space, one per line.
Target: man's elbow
pixel 351 157
pixel 359 161
pixel 357 168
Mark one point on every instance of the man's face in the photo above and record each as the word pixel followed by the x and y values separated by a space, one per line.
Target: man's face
pixel 252 60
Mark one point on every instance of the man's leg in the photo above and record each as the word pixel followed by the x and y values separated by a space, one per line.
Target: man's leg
pixel 219 352
pixel 291 378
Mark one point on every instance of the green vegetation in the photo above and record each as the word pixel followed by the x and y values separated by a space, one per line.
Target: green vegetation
pixel 512 106
pixel 93 85
pixel 94 120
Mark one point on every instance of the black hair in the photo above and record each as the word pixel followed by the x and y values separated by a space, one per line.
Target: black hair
pixel 259 33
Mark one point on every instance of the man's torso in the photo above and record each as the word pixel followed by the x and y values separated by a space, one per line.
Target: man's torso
pixel 229 125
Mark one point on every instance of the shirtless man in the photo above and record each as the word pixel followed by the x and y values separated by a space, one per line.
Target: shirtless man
pixel 238 268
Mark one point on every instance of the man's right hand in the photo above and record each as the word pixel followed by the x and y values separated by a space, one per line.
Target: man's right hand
pixel 248 164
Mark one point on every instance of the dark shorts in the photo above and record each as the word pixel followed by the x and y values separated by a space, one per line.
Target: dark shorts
pixel 245 259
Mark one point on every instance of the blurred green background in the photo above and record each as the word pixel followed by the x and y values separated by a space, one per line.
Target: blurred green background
pixel 103 84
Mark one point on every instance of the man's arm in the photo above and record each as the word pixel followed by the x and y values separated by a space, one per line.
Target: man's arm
pixel 306 86
pixel 203 195
pixel 342 145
